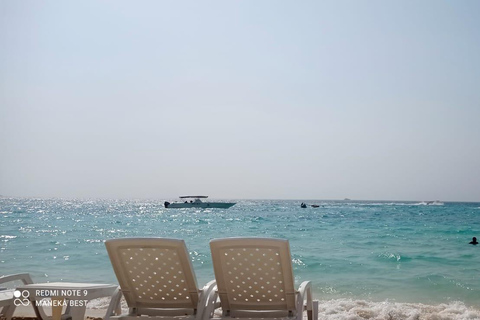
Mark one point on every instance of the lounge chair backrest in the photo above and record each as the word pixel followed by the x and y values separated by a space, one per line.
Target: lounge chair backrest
pixel 253 274
pixel 154 272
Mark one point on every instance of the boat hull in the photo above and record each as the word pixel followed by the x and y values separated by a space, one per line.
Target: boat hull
pixel 222 205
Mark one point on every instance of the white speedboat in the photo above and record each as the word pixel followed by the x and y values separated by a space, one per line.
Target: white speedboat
pixel 195 202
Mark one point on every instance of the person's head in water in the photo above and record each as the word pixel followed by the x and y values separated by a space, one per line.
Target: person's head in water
pixel 474 241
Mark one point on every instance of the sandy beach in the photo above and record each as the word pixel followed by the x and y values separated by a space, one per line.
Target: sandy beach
pixel 26 312
pixel 333 310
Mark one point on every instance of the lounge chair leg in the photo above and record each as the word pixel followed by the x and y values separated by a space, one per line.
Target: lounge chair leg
pixel 8 312
pixel 315 309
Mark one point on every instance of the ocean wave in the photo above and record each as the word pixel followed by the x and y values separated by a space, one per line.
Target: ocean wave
pixel 429 203
pixel 392 256
pixel 360 309
pixel 401 203
pixel 381 204
pixel 341 309
pixel 5 236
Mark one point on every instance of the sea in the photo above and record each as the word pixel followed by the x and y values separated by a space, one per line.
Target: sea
pixel 366 259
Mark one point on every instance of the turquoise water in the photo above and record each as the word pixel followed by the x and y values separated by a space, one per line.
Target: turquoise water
pixel 352 250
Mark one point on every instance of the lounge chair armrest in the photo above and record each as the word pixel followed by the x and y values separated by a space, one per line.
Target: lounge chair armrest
pixel 211 301
pixel 24 277
pixel 209 287
pixel 114 307
pixel 305 293
pixel 305 289
pixel 204 298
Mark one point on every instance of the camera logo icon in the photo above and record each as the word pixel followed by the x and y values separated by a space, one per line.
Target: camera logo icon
pixel 21 298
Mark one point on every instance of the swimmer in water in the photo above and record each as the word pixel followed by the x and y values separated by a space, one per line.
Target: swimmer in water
pixel 474 241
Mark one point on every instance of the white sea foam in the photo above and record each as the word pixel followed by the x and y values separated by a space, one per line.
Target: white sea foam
pixel 429 203
pixel 348 309
pixel 4 236
pixel 422 203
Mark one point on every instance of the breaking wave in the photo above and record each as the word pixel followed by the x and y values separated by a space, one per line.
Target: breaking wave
pixel 349 309
pixel 341 309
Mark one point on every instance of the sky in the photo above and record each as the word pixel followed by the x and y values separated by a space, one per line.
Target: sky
pixel 373 100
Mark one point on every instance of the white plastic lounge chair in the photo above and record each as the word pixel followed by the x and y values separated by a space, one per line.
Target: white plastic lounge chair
pixel 156 278
pixel 7 304
pixel 255 280
pixel 7 299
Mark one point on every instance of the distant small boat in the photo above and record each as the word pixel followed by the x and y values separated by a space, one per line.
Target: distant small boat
pixel 195 202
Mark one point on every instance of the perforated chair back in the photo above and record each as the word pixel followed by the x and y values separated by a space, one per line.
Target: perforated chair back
pixel 154 272
pixel 253 274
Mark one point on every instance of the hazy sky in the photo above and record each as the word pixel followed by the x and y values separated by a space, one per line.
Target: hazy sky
pixel 240 99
